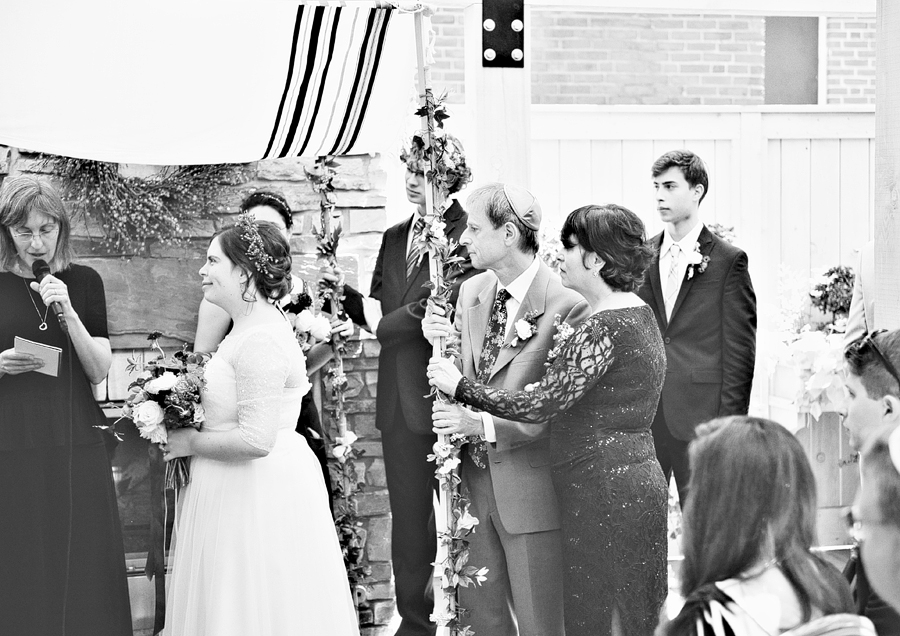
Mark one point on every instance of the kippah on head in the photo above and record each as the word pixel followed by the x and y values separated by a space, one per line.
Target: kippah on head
pixel 525 205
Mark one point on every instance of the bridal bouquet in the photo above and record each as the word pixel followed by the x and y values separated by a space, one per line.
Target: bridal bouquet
pixel 167 396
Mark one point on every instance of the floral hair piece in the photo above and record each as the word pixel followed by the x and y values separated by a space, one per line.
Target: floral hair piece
pixel 255 250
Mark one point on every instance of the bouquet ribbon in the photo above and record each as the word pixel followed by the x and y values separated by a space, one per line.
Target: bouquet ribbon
pixel 156 555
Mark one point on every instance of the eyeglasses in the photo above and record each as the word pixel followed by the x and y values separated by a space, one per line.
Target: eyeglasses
pixel 27 237
pixel 869 341
pixel 856 526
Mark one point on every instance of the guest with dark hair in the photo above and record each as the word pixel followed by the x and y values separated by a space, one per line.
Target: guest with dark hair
pixel 61 549
pixel 748 528
pixel 700 291
pixel 876 515
pixel 213 323
pixel 256 551
pixel 599 394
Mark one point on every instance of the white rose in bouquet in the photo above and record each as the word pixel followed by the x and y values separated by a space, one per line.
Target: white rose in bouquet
pixel 321 328
pixel 165 382
pixel 304 321
pixel 148 416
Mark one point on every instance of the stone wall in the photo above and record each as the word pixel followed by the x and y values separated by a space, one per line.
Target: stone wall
pixel 590 57
pixel 159 290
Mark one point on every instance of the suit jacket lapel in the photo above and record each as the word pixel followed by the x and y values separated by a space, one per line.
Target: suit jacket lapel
pixel 535 300
pixel 477 317
pixel 705 241
pixel 656 283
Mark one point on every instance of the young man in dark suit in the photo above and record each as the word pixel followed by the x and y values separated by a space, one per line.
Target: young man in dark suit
pixel 393 311
pixel 699 288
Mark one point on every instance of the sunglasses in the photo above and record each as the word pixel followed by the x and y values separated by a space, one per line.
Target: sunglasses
pixel 869 342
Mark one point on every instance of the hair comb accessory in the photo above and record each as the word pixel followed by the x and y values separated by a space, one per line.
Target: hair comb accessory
pixel 894 448
pixel 255 250
pixel 525 205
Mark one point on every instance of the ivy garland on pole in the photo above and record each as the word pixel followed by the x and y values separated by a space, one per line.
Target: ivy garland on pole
pixel 439 155
pixel 131 211
pixel 346 482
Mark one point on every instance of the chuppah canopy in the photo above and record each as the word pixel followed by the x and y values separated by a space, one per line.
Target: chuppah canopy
pixel 201 83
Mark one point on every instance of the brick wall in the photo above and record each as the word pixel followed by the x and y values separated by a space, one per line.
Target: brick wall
pixel 606 58
pixel 598 58
pixel 851 60
pixel 448 72
pixel 159 291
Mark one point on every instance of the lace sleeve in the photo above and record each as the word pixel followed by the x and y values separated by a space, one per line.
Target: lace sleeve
pixel 581 363
pixel 261 367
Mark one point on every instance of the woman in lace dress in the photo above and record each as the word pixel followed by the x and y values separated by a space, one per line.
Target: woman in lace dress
pixel 600 392
pixel 255 548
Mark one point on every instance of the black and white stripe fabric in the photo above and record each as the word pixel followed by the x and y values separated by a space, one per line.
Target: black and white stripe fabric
pixel 200 83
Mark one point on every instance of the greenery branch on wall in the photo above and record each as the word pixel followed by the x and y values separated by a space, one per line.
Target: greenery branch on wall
pixel 133 211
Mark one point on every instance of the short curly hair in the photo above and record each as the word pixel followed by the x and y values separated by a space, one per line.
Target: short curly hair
pixel 616 235
pixel 275 282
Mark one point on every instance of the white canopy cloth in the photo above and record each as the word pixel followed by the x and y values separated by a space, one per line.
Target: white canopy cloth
pixel 200 83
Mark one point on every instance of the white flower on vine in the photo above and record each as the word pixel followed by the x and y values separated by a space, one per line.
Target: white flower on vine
pixel 466 521
pixel 442 449
pixel 448 465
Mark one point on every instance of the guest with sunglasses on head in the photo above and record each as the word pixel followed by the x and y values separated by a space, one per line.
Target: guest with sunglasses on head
pixel 876 514
pixel 873 392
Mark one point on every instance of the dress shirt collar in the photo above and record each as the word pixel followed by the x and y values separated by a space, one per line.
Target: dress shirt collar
pixel 519 287
pixel 687 242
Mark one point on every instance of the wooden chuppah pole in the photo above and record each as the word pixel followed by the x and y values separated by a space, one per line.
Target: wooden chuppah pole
pixel 445 598
pixel 454 523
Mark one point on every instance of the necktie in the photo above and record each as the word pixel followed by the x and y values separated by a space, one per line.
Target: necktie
pixel 493 342
pixel 412 259
pixel 673 282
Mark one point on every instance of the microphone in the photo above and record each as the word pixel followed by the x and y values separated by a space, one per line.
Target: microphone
pixel 40 269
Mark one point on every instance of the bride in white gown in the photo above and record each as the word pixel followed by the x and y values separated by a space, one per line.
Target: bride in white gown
pixel 255 549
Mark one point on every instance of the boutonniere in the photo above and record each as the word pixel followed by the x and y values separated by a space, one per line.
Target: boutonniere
pixel 525 328
pixel 696 262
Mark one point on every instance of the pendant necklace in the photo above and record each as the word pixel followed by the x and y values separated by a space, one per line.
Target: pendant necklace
pixel 43 325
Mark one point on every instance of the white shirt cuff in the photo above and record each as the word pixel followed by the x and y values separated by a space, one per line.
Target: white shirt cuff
pixel 490 434
pixel 372 312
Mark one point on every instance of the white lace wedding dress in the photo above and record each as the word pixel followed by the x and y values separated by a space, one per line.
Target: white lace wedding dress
pixel 255 549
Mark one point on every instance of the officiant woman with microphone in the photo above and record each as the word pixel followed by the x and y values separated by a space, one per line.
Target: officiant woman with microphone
pixel 62 565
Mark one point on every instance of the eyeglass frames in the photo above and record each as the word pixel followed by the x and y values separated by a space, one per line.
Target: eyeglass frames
pixel 869 341
pixel 27 237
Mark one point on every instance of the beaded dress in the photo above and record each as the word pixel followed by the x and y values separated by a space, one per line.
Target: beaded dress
pixel 256 551
pixel 601 393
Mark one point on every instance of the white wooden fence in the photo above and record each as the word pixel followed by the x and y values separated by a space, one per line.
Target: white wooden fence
pixel 795 182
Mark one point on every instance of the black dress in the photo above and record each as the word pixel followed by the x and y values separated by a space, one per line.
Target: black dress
pixel 36 412
pixel 601 393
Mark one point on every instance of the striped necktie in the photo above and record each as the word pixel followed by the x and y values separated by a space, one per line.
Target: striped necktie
pixel 415 250
pixel 673 282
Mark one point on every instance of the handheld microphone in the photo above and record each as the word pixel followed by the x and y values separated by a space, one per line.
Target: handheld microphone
pixel 40 269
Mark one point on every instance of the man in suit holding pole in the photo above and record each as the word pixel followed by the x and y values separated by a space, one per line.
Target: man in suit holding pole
pixel 393 311
pixel 505 322
pixel 699 288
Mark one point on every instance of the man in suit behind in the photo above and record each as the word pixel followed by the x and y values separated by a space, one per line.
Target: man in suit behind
pixel 699 288
pixel 393 311
pixel 506 472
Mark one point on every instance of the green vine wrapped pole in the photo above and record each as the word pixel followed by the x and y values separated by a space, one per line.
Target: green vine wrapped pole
pixel 347 485
pixel 453 551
